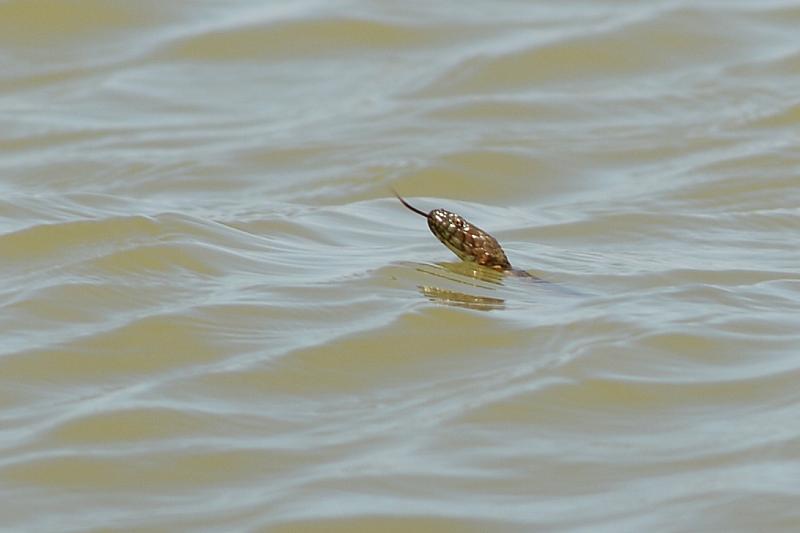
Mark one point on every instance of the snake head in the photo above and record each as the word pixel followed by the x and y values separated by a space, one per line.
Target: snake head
pixel 467 241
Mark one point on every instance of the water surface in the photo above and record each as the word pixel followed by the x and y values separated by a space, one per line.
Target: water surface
pixel 215 316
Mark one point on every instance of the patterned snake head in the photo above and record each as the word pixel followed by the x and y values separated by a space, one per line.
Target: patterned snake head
pixel 467 241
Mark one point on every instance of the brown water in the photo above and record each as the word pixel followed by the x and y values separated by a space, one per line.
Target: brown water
pixel 215 317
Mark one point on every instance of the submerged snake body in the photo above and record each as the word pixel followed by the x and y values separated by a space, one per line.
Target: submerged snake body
pixel 467 241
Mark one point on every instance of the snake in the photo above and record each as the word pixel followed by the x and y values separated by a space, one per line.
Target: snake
pixel 466 240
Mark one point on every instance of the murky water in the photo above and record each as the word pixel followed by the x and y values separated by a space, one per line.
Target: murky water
pixel 214 316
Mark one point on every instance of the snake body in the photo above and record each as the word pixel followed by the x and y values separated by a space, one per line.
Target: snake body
pixel 466 240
